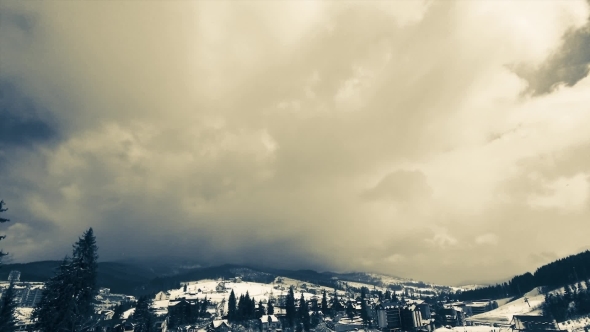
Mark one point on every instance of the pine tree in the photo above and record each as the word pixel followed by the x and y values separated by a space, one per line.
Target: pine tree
pixel 232 307
pixel 350 310
pixel 324 303
pixel 7 310
pixel 260 310
pixel 336 306
pixel 53 312
pixel 290 307
pixel 142 315
pixel 304 313
pixel 85 266
pixel 203 310
pixel 270 310
pixel 67 301
pixel 2 220
pixel 365 312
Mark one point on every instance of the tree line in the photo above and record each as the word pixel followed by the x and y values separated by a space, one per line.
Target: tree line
pixel 556 274
pixel 573 303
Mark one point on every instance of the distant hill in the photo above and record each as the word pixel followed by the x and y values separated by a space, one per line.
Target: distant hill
pixel 119 277
pixel 138 277
pixel 556 274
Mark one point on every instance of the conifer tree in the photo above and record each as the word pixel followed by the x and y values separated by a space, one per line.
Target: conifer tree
pixel 270 310
pixel 231 307
pixel 349 310
pixel 85 267
pixel 142 315
pixel 324 303
pixel 260 310
pixel 290 307
pixel 67 301
pixel 203 310
pixel 2 220
pixel 7 310
pixel 304 313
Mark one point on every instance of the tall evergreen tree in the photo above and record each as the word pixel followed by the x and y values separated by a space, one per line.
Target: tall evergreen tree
pixel 203 310
pixel 142 316
pixel 260 310
pixel 270 310
pixel 7 310
pixel 67 301
pixel 2 220
pixel 290 307
pixel 304 313
pixel 85 267
pixel 350 310
pixel 232 307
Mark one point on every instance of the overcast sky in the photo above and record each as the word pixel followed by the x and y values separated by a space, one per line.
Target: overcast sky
pixel 445 141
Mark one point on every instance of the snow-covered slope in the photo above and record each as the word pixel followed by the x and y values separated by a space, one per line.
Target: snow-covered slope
pixel 504 313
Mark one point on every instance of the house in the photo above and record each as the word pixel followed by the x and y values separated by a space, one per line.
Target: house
pixel 219 326
pixel 160 296
pixel 481 306
pixel 270 323
pixel 533 323
pixel 389 317
pixel 220 288
pixel 452 316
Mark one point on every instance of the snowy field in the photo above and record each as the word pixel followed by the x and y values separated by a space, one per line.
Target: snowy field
pixel 258 291
pixel 504 313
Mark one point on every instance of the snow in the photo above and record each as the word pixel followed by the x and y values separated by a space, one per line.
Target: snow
pixel 504 313
pixel 128 313
pixel 259 291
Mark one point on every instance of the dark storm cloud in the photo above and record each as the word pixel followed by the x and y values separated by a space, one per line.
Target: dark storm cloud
pixel 566 66
pixel 23 123
pixel 345 135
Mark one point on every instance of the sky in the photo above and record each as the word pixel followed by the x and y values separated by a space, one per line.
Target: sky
pixel 444 141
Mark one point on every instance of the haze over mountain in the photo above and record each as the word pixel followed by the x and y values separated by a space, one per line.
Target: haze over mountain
pixel 444 141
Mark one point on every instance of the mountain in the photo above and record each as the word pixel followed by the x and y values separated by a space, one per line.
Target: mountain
pixel 148 276
pixel 561 272
pixel 119 277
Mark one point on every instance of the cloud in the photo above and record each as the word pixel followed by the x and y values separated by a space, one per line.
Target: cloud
pixel 566 66
pixel 383 136
pixel 487 239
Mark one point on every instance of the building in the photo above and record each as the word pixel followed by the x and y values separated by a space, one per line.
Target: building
pixel 160 296
pixel 479 307
pixel 533 323
pixel 14 276
pixel 389 317
pixel 270 323
pixel 220 288
pixel 219 326
pixel 28 296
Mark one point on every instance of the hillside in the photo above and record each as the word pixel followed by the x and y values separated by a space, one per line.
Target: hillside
pixel 556 274
pixel 119 277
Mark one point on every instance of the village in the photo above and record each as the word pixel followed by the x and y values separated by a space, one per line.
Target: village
pixel 204 306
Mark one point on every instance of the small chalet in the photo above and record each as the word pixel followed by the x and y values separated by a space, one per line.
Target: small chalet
pixel 220 288
pixel 533 323
pixel 269 323
pixel 161 296
pixel 219 326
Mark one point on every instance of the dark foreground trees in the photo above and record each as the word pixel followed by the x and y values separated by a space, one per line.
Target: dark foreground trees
pixel 7 303
pixel 7 310
pixel 67 302
pixel 2 220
